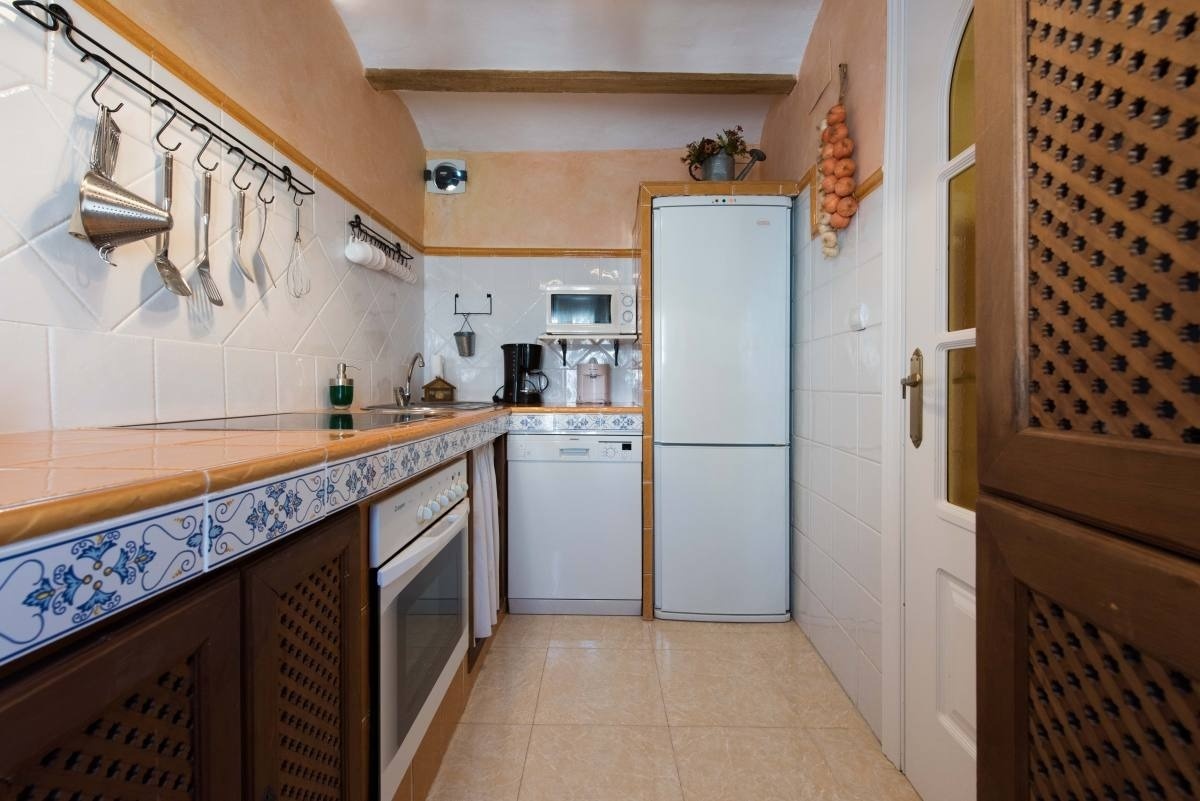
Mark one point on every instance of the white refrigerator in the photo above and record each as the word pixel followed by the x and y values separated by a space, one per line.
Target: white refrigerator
pixel 721 303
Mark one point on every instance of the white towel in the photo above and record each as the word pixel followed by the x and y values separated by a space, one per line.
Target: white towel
pixel 485 537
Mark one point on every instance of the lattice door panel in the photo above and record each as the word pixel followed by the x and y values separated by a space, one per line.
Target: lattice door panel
pixel 1106 720
pixel 309 719
pixel 140 748
pixel 1114 217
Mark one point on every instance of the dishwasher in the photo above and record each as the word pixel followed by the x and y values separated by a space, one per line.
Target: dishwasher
pixel 575 524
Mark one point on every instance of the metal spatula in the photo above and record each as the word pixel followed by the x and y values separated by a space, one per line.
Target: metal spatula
pixel 169 273
pixel 239 231
pixel 205 269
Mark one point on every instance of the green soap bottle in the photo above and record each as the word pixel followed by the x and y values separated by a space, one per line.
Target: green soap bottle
pixel 341 388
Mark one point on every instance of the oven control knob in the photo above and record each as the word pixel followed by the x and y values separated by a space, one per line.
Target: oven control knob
pixel 627 300
pixel 456 491
pixel 425 513
pixel 443 499
pixel 435 507
pixel 627 316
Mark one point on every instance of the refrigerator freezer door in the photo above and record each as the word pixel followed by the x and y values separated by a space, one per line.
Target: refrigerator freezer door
pixel 721 330
pixel 721 532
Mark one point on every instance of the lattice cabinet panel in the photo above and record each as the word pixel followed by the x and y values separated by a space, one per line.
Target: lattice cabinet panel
pixel 143 746
pixel 1106 720
pixel 305 638
pixel 1114 218
pixel 309 717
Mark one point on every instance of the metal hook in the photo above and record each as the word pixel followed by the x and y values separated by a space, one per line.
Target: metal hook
pixel 103 81
pixel 263 185
pixel 207 142
pixel 245 158
pixel 165 125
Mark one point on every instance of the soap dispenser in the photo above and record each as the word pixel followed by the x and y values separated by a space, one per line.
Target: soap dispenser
pixel 341 387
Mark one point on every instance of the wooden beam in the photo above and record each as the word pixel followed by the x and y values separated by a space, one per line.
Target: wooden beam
pixel 585 82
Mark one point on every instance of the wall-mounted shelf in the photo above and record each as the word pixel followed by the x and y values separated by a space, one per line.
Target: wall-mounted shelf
pixel 616 339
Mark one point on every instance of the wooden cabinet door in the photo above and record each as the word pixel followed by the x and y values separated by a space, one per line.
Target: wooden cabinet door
pixel 305 657
pixel 1089 675
pixel 1089 398
pixel 149 711
pixel 1089 304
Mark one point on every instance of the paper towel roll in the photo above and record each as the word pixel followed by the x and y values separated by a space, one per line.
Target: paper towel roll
pixel 439 366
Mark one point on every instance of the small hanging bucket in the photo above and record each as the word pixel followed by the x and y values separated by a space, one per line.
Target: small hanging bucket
pixel 464 338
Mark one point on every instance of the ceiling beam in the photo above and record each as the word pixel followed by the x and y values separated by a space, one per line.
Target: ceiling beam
pixel 583 82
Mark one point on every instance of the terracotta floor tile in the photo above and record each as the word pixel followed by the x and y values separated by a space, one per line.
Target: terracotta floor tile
pixel 593 685
pixel 861 770
pixel 525 631
pixel 728 687
pixel 739 764
pixel 484 763
pixel 588 631
pixel 506 690
pixel 600 763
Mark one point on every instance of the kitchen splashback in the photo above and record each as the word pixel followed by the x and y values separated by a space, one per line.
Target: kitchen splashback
pixel 519 315
pixel 82 343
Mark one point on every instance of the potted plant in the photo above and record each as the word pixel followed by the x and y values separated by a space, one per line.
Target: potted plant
pixel 715 156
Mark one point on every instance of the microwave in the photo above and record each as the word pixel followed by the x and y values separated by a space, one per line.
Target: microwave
pixel 600 310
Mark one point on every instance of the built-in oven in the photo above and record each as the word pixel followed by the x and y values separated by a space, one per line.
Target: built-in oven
pixel 419 564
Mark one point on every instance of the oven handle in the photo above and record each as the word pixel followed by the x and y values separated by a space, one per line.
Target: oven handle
pixel 425 548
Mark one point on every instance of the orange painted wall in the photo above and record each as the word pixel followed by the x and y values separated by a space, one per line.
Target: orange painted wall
pixel 853 32
pixel 292 64
pixel 546 199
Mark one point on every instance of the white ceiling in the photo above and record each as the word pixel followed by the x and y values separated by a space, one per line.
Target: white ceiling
pixel 756 36
pixel 500 122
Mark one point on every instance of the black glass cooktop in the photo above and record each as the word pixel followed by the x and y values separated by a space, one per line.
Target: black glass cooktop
pixel 294 421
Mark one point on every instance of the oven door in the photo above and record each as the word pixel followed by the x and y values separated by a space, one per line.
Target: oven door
pixel 422 636
pixel 581 310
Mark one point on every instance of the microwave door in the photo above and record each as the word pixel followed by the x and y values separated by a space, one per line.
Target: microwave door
pixel 582 312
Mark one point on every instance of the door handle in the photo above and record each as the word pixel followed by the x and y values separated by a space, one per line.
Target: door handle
pixel 914 382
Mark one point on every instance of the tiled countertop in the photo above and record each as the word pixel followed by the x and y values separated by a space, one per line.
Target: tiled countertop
pixel 54 480
pixel 93 521
pixel 579 408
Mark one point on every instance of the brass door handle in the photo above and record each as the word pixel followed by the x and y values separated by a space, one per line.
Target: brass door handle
pixel 913 381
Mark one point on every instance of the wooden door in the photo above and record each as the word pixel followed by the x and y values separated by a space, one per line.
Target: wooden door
pixel 149 711
pixel 1089 403
pixel 305 659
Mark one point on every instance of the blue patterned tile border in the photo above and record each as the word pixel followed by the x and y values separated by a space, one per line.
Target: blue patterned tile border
pixel 251 516
pixel 53 585
pixel 551 422
pixel 48 590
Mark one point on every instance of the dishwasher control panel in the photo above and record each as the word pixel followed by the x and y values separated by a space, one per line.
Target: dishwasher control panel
pixel 574 448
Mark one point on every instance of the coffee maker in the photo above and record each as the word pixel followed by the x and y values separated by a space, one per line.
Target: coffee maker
pixel 524 381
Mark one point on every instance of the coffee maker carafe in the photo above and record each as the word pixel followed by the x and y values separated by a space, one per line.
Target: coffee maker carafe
pixel 524 381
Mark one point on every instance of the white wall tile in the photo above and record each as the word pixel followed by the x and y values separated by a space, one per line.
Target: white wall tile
pixel 870 494
pixel 49 279
pixel 189 380
pixel 25 362
pixel 844 491
pixel 843 421
pixel 250 382
pixel 870 422
pixel 297 376
pixel 870 694
pixel 837 416
pixel 100 379
pixel 870 558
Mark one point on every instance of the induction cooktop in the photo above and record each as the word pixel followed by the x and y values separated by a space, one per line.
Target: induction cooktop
pixel 294 421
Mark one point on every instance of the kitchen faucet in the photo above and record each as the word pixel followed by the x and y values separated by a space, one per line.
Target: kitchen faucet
pixel 404 393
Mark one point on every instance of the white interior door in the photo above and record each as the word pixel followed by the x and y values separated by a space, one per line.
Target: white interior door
pixel 939 475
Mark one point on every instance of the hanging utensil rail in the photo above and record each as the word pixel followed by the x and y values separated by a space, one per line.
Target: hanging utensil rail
pixel 393 250
pixel 54 17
